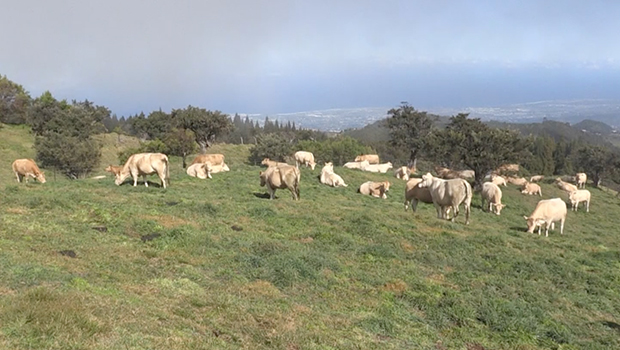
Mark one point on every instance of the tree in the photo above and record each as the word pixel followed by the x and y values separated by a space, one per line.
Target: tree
pixel 471 143
pixel 408 128
pixel 273 146
pixel 155 126
pixel 14 102
pixel 597 162
pixel 180 142
pixel 206 125
pixel 72 156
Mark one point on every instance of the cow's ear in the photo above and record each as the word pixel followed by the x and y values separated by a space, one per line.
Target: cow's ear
pixel 525 217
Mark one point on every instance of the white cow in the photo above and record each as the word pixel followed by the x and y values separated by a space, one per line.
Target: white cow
pixel 378 168
pixel 581 179
pixel 579 196
pixel 304 158
pixel 493 195
pixel 357 165
pixel 546 213
pixel 329 178
pixel 565 186
pixel 375 189
pixel 199 170
pixel 537 178
pixel 530 188
pixel 448 193
pixel 498 180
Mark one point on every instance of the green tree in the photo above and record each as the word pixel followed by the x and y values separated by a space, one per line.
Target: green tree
pixel 338 150
pixel 597 162
pixel 155 126
pixel 408 129
pixel 180 142
pixel 14 102
pixel 273 146
pixel 73 156
pixel 206 125
pixel 472 144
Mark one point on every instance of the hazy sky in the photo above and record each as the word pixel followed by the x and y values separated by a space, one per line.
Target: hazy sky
pixel 268 56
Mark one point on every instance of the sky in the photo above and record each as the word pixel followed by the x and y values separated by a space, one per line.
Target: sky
pixel 278 56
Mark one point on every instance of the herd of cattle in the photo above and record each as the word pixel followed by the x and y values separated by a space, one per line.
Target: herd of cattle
pixel 446 192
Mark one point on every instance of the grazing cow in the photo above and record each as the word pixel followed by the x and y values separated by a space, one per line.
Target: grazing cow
pixel 371 158
pixel 493 195
pixel 519 181
pixel 268 162
pixel 546 213
pixel 357 165
pixel 498 180
pixel 282 176
pixel 375 189
pixel 329 178
pixel 448 193
pixel 581 179
pixel 23 168
pixel 537 178
pixel 199 170
pixel 114 169
pixel 507 169
pixel 579 196
pixel 214 159
pixel 415 194
pixel 145 164
pixel 305 158
pixel 402 173
pixel 530 188
pixel 565 186
pixel 378 168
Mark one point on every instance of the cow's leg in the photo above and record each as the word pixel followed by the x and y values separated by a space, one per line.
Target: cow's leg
pixel 18 177
pixel 439 210
pixel 562 225
pixel 146 183
pixel 414 204
pixel 297 164
pixel 135 179
pixel 407 204
pixel 587 206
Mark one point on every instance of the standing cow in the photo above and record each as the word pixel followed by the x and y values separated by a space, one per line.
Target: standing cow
pixel 579 196
pixel 24 168
pixel 581 179
pixel 546 213
pixel 304 158
pixel 448 193
pixel 142 164
pixel 284 176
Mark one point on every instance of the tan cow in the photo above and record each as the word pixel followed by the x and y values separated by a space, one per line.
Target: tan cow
pixel 492 194
pixel 537 178
pixel 371 158
pixel 114 169
pixel 498 180
pixel 546 213
pixel 142 164
pixel 214 159
pixel 530 188
pixel 199 170
pixel 507 169
pixel 375 189
pixel 447 174
pixel 565 186
pixel 283 176
pixel 357 165
pixel 329 178
pixel 24 168
pixel 581 179
pixel 378 168
pixel 518 181
pixel 448 193
pixel 268 162
pixel 305 158
pixel 219 168
pixel 402 173
pixel 579 196
pixel 415 194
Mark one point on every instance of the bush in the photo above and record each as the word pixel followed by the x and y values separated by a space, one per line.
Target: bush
pixel 272 146
pixel 72 156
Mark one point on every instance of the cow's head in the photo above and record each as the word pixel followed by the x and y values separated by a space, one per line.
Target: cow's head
pixel 427 180
pixel 498 208
pixel 312 165
pixel 532 223
pixel 225 167
pixel 358 158
pixel 265 161
pixel 40 176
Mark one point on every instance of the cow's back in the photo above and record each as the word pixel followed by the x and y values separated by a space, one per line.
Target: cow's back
pixel 213 158
pixel 25 166
pixel 550 209
pixel 412 190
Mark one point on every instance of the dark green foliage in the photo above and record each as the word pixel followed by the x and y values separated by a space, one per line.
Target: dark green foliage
pixel 472 144
pixel 73 156
pixel 541 162
pixel 597 162
pixel 63 134
pixel 338 150
pixel 180 142
pixel 14 102
pixel 155 126
pixel 206 125
pixel 408 129
pixel 272 146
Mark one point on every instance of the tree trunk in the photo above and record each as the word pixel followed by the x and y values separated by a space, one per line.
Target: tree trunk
pixel 203 146
pixel 184 164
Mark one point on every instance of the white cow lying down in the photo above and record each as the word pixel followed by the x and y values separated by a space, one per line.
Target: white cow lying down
pixel 329 178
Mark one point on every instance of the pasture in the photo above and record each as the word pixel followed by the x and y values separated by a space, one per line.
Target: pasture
pixel 213 264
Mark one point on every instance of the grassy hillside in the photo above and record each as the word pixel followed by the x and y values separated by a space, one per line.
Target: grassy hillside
pixel 213 264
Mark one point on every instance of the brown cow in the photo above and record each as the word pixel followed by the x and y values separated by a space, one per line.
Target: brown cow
pixel 23 168
pixel 114 169
pixel 145 164
pixel 214 159
pixel 284 176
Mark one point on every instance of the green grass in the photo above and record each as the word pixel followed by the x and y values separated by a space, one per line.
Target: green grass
pixel 228 269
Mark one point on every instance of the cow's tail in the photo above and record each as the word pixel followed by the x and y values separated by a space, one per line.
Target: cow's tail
pixel 297 181
pixel 468 196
